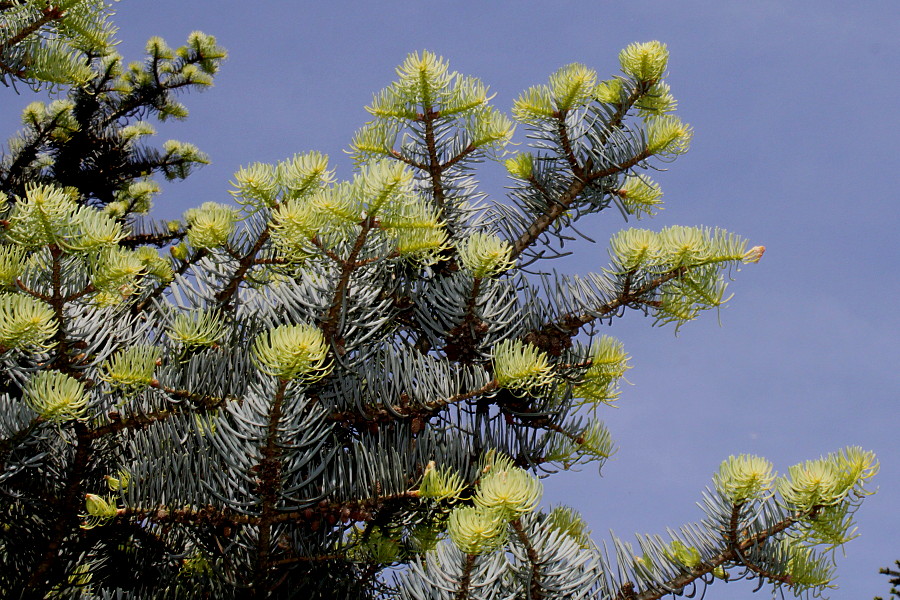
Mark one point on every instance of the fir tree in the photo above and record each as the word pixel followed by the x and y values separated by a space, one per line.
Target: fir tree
pixel 352 389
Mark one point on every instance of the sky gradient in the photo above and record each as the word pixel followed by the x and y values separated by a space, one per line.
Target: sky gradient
pixel 793 109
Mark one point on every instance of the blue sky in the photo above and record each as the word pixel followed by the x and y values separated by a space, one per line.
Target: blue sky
pixel 793 107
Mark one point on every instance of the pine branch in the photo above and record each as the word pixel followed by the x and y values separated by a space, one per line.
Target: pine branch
pixel 583 175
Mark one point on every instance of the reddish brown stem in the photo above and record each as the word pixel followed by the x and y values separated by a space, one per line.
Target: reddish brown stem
pixel 269 474
pixel 535 590
pixel 466 579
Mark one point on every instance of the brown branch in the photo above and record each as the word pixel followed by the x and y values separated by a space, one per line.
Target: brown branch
pixel 730 555
pixel 405 159
pixel 330 324
pixel 405 412
pixel 144 420
pixel 555 338
pixel 269 477
pixel 8 69
pixel 566 143
pixel 434 166
pixel 67 507
pixel 49 14
pixel 244 265
pixel 466 578
pixel 553 212
pixel 535 591
pixel 158 290
pixel 134 422
pixel 466 151
pixel 582 175
pixel 329 253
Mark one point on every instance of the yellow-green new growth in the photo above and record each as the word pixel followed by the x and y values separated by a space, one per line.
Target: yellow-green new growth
pixel 593 442
pixel 373 546
pixel 12 262
pixel 131 370
pixel 567 521
pixel 572 86
pixel 100 511
pixel 477 530
pixel 56 397
pixel 381 182
pixel 521 166
pixel 608 363
pixel 674 247
pixel 521 367
pixel 136 198
pixel 658 100
pixel 687 556
pixel 197 328
pixel 513 492
pixel 211 225
pixel 668 136
pixel 533 105
pixel 415 228
pixel 53 39
pixel 744 478
pixel 429 92
pixel 424 79
pixel 645 61
pixel 805 569
pixel 640 195
pixel 255 185
pixel 828 480
pixel 119 483
pixel 116 273
pixel 292 352
pixel 45 216
pixel 154 264
pixel 26 323
pixel 303 174
pixel 486 255
pixel 441 484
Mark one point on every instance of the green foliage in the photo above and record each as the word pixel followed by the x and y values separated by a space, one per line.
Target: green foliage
pixel 45 43
pixel 335 378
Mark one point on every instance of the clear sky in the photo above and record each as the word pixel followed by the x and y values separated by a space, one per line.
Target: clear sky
pixel 795 148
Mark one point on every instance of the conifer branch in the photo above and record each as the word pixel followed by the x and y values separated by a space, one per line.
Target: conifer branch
pixel 66 510
pixel 330 324
pixel 163 286
pixel 535 589
pixel 465 152
pixel 401 411
pixel 434 163
pixel 466 578
pixel 729 556
pixel 48 15
pixel 244 265
pixel 269 478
